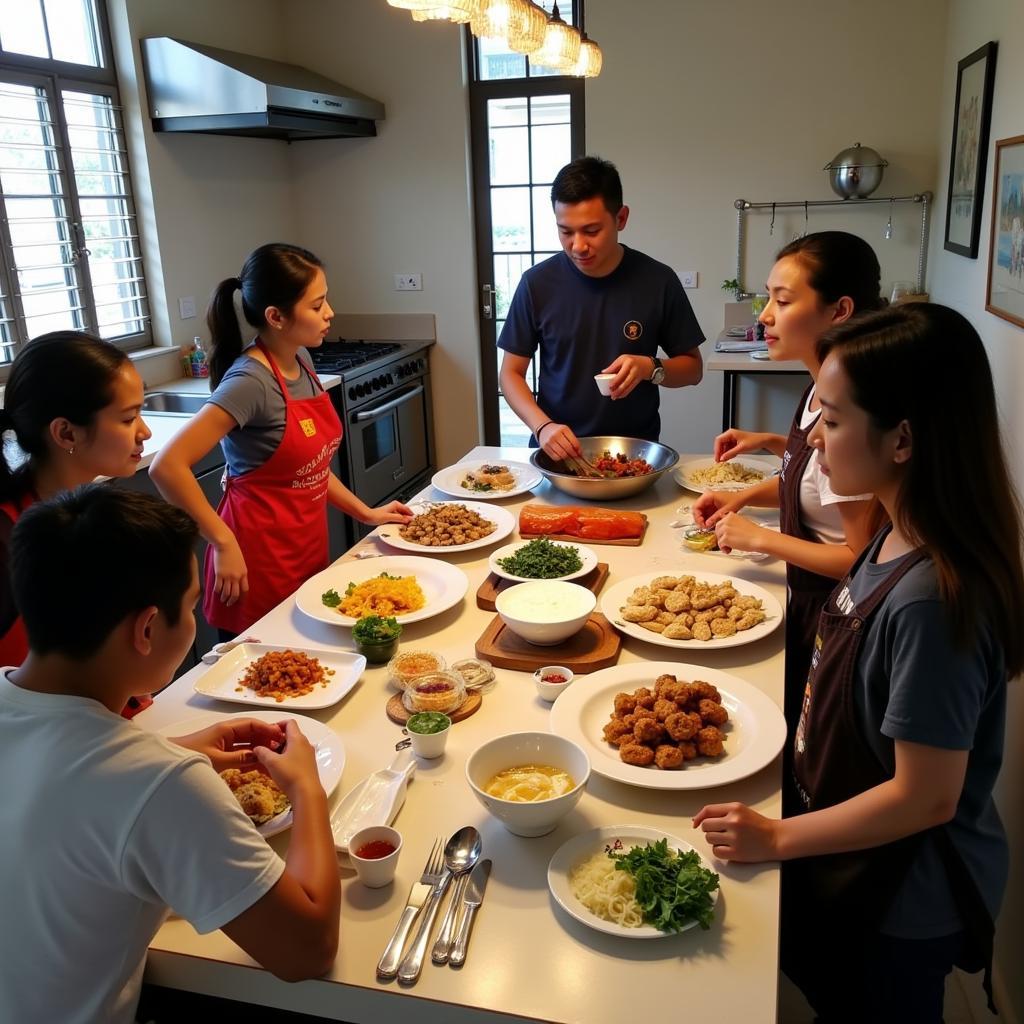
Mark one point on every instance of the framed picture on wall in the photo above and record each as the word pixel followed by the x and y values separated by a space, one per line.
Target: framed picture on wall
pixel 972 112
pixel 1005 295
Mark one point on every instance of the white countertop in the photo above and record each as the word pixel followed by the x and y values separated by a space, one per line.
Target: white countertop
pixel 527 960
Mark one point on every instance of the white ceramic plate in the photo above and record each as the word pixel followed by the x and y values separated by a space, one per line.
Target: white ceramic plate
pixel 587 557
pixel 503 520
pixel 449 480
pixel 754 734
pixel 683 473
pixel 582 847
pixel 615 597
pixel 330 751
pixel 443 585
pixel 223 678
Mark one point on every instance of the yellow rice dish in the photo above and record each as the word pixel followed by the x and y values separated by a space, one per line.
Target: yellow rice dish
pixel 382 595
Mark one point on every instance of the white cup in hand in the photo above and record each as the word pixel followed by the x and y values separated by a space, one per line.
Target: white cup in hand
pixel 604 382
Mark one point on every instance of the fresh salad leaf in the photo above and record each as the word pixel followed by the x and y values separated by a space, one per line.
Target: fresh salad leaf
pixel 375 629
pixel 331 598
pixel 542 559
pixel 672 888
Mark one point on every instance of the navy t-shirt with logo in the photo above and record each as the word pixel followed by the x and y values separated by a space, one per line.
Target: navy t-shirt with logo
pixel 582 324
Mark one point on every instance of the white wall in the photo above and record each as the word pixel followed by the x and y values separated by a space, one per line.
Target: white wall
pixel 961 283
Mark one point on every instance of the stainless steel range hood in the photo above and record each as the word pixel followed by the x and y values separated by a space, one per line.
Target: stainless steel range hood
pixel 197 88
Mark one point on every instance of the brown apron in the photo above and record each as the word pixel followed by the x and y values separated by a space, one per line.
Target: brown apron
pixel 832 762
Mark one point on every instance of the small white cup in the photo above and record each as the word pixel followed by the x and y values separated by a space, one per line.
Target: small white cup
pixel 604 382
pixel 552 691
pixel 428 744
pixel 375 872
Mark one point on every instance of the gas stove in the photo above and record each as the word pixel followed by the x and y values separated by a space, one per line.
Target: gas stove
pixel 342 356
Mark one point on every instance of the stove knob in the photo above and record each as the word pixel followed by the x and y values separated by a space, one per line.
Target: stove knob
pixel 375 383
pixel 361 390
pixel 389 380
pixel 352 392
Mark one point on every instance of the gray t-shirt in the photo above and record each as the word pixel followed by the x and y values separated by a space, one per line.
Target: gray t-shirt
pixel 915 684
pixel 249 393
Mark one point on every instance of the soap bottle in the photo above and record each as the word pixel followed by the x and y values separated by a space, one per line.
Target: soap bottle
pixel 200 365
pixel 186 359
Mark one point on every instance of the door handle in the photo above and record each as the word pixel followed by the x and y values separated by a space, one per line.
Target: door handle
pixel 374 411
pixel 488 307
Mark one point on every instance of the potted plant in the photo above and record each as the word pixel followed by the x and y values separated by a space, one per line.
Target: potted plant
pixel 376 638
pixel 730 284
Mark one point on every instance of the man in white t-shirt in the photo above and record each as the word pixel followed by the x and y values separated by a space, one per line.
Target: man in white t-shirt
pixel 104 826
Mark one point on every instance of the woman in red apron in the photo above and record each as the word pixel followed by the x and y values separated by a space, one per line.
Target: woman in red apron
pixel 73 404
pixel 817 282
pixel 896 861
pixel 279 432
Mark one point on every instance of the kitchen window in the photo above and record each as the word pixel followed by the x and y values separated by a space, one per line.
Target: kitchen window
pixel 70 256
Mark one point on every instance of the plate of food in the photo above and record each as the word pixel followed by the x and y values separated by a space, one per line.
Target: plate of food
pixel 542 559
pixel 634 882
pixel 704 611
pixel 407 587
pixel 259 795
pixel 668 725
pixel 444 526
pixel 486 481
pixel 284 677
pixel 737 474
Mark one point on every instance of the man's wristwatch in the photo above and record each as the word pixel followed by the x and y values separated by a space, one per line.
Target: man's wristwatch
pixel 658 374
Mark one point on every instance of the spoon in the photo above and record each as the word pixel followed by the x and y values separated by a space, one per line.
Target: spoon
pixel 463 845
pixel 459 860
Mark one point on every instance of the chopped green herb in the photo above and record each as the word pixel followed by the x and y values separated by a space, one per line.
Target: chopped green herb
pixel 374 629
pixel 542 559
pixel 331 598
pixel 427 722
pixel 673 888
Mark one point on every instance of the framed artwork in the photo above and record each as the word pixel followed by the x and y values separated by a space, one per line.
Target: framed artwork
pixel 972 112
pixel 1005 294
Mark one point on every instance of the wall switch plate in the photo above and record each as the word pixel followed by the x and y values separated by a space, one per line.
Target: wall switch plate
pixel 187 307
pixel 408 282
pixel 689 278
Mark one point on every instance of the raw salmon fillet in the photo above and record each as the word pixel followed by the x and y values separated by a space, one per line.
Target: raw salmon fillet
pixel 583 522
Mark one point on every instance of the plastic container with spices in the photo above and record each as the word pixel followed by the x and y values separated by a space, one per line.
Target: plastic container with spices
pixel 435 691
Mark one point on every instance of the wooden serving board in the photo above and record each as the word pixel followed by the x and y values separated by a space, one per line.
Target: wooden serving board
pixel 625 542
pixel 494 585
pixel 595 646
pixel 400 714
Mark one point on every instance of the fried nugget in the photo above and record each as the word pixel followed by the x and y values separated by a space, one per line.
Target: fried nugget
pixel 668 757
pixel 624 703
pixel 644 697
pixel 723 627
pixel 751 617
pixel 615 728
pixel 641 613
pixel 689 751
pixel 662 682
pixel 670 691
pixel 677 631
pixel 634 753
pixel 705 691
pixel 642 712
pixel 663 708
pixel 663 582
pixel 712 713
pixel 683 725
pixel 654 627
pixel 710 741
pixel 639 596
pixel 649 730
pixel 701 631
pixel 665 618
pixel 677 601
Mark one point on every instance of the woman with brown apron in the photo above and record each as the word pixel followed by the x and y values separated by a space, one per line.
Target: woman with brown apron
pixel 817 282
pixel 896 861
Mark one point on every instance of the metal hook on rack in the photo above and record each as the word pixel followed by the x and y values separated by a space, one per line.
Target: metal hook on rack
pixel 805 218
pixel 771 227
pixel 888 227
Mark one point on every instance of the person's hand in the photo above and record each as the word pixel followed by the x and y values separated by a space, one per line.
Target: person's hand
pixel 734 531
pixel 231 577
pixel 230 744
pixel 392 512
pixel 629 371
pixel 732 442
pixel 735 832
pixel 712 505
pixel 292 767
pixel 559 441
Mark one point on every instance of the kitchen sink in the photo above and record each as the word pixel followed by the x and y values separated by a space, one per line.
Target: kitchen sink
pixel 171 403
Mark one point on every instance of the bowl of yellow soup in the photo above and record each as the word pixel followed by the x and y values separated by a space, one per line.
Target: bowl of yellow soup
pixel 529 781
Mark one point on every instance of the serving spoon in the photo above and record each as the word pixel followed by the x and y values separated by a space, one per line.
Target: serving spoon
pixel 460 857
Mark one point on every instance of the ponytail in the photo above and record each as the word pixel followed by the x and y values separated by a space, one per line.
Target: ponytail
pixel 274 275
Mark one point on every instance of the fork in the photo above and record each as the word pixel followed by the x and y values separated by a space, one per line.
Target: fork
pixel 387 968
pixel 438 876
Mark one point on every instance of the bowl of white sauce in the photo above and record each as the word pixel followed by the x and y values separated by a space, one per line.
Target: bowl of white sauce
pixel 545 612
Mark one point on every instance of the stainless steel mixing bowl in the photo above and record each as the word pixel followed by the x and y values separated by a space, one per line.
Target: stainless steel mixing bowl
pixel 660 456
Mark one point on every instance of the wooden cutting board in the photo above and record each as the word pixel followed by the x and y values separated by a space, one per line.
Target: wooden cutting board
pixel 626 542
pixel 400 714
pixel 494 585
pixel 595 646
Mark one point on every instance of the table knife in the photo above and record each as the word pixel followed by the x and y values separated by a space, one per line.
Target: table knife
pixel 411 965
pixel 470 905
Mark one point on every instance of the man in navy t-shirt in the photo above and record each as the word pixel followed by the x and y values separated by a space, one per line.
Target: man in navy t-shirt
pixel 596 307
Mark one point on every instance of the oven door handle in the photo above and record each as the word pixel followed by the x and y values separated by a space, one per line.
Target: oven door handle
pixel 374 411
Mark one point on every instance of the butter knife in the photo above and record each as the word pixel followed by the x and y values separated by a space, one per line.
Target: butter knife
pixel 470 905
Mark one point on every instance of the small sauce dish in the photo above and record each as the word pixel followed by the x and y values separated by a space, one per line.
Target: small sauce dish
pixel 551 681
pixel 374 852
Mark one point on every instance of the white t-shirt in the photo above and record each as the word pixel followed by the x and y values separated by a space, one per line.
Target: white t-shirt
pixel 103 827
pixel 819 504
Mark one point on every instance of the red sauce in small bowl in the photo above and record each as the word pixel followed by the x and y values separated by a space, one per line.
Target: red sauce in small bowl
pixel 375 850
pixel 553 677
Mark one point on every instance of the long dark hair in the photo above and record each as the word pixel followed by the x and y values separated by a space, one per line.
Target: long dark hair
pixel 918 362
pixel 273 275
pixel 62 374
pixel 839 264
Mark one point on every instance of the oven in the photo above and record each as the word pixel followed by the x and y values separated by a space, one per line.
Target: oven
pixel 384 403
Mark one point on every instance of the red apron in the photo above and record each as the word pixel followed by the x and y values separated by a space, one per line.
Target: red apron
pixel 278 511
pixel 14 641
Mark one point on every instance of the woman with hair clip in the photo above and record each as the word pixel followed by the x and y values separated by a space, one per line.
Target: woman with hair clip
pixel 895 866
pixel 73 404
pixel 818 281
pixel 279 431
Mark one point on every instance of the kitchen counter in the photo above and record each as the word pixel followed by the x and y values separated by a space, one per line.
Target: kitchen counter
pixel 527 960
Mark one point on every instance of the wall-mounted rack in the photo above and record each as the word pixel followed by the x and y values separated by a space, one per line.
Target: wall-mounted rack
pixel 743 206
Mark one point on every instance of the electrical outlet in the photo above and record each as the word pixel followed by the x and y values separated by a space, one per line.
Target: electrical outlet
pixel 408 282
pixel 187 307
pixel 689 278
